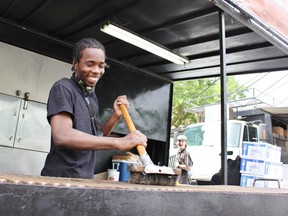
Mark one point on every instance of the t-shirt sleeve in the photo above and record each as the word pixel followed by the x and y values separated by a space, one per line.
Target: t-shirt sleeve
pixel 60 100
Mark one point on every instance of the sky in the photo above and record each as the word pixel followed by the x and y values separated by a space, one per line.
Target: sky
pixel 271 88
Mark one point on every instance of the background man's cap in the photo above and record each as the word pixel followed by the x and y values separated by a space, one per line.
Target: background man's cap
pixel 181 137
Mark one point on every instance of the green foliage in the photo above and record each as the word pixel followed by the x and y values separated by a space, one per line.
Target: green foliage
pixel 201 92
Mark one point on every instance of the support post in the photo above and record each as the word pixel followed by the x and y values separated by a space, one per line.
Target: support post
pixel 223 98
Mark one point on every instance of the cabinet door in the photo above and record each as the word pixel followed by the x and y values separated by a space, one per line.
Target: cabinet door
pixel 33 131
pixel 21 161
pixel 9 112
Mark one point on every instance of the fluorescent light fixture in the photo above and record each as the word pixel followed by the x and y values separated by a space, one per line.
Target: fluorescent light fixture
pixel 141 42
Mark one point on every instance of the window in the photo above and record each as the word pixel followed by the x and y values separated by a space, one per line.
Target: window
pixel 209 134
pixel 250 134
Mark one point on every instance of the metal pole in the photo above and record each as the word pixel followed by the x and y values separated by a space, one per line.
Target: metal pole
pixel 223 99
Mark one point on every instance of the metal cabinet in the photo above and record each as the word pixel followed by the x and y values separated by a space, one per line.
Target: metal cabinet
pixel 23 124
pixel 24 135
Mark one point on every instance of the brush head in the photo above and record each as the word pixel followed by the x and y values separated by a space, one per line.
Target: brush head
pixel 153 175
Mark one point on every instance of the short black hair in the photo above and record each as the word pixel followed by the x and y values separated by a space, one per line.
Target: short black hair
pixel 86 43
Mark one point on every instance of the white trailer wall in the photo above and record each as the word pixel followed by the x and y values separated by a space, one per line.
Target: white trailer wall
pixel 24 130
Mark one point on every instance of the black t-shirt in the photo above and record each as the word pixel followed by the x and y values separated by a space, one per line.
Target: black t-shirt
pixel 66 96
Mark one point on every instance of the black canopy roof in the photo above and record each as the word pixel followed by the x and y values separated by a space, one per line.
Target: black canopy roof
pixel 188 27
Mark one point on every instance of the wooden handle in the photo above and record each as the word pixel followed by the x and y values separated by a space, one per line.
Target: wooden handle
pixel 141 150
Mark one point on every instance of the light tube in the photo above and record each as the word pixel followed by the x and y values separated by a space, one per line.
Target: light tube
pixel 136 40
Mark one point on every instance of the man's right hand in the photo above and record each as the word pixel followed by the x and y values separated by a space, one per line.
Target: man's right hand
pixel 132 140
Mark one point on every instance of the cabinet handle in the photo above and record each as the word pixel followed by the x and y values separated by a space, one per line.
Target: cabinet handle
pixel 25 105
pixel 26 98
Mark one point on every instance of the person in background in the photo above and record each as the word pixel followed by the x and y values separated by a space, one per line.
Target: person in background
pixel 183 160
pixel 73 113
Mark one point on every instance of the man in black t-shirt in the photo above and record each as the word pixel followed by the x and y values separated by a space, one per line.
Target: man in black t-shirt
pixel 73 113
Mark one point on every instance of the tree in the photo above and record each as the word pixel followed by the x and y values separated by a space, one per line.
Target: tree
pixel 200 92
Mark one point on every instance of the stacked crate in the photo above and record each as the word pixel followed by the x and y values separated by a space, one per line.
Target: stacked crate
pixel 260 161
pixel 278 130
